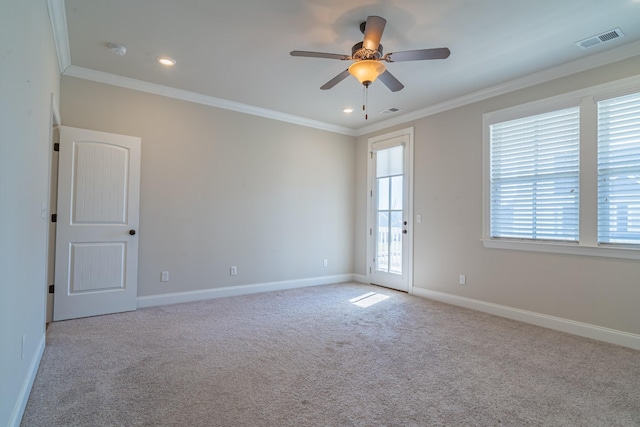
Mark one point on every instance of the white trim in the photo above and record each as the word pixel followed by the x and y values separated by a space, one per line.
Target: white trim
pixel 25 390
pixel 583 64
pixel 229 291
pixel 586 330
pixel 61 38
pixel 58 18
pixel 185 95
pixel 563 248
pixel 598 92
pixel 407 132
pixel 50 256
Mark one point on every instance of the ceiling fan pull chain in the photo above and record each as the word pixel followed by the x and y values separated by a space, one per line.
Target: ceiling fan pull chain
pixel 365 100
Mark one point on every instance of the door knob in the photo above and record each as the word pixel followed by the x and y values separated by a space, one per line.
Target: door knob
pixel 132 232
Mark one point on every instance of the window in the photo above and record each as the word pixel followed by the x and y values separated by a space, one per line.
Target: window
pixel 619 170
pixel 562 174
pixel 535 177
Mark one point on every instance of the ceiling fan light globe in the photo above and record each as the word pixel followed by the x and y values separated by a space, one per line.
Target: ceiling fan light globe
pixel 366 71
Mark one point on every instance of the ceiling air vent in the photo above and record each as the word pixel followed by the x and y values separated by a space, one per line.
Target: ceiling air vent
pixel 390 110
pixel 601 38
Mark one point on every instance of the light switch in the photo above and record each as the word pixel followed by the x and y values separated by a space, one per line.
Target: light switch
pixel 418 219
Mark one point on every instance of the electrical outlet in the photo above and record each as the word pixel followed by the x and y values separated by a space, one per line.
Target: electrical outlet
pixel 164 276
pixel 234 270
pixel 325 263
pixel 463 279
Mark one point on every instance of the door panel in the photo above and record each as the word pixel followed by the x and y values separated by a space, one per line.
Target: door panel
pixel 100 190
pixel 98 198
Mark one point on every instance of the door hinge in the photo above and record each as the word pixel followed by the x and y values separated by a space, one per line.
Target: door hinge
pixel 52 288
pixel 54 217
pixel 56 146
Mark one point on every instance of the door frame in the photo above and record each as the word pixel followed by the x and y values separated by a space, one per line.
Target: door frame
pixel 52 202
pixel 408 133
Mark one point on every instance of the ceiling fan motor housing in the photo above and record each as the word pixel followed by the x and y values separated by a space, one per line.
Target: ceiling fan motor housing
pixel 359 52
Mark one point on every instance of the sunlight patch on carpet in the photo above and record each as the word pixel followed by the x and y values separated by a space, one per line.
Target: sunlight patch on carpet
pixel 368 299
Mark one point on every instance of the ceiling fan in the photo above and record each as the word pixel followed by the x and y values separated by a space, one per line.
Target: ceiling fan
pixel 368 57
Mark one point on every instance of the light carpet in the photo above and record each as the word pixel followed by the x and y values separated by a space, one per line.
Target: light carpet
pixel 327 356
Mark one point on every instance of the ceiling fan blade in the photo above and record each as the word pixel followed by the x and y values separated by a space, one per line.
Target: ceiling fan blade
pixel 319 55
pixel 373 32
pixel 334 81
pixel 390 81
pixel 418 55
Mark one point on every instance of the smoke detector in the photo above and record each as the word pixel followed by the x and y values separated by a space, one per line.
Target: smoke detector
pixel 616 33
pixel 118 49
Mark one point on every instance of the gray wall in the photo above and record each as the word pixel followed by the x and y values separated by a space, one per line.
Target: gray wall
pixel 448 194
pixel 28 77
pixel 221 188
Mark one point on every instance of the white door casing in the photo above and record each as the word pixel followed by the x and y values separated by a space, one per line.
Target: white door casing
pixel 97 223
pixel 390 244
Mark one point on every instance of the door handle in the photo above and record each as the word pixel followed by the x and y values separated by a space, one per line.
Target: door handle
pixel 132 232
pixel 404 231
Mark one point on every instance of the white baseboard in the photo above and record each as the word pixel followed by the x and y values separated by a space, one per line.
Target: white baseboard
pixel 612 336
pixel 586 330
pixel 229 291
pixel 360 278
pixel 25 390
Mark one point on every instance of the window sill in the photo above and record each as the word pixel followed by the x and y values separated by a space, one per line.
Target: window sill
pixel 563 248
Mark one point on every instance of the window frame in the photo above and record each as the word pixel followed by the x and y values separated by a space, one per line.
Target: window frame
pixel 608 155
pixel 587 100
pixel 538 178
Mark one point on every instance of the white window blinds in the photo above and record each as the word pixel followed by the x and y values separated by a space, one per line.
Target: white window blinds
pixel 534 177
pixel 619 170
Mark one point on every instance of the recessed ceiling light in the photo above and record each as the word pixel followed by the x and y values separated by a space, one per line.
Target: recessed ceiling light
pixel 348 110
pixel 165 60
pixel 118 49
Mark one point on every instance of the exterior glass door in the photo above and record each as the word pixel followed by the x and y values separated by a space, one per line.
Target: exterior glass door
pixel 389 202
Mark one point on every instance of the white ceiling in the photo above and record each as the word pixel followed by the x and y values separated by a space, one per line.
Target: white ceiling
pixel 238 50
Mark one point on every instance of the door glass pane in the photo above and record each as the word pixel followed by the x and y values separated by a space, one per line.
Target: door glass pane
pixel 396 192
pixel 389 161
pixel 383 242
pixel 395 243
pixel 383 194
pixel 390 194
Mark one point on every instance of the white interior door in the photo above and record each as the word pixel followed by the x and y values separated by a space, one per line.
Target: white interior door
pixel 390 228
pixel 97 222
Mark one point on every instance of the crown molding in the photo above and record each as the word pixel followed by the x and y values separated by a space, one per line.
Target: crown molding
pixel 59 25
pixel 198 98
pixel 603 58
pixel 58 18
